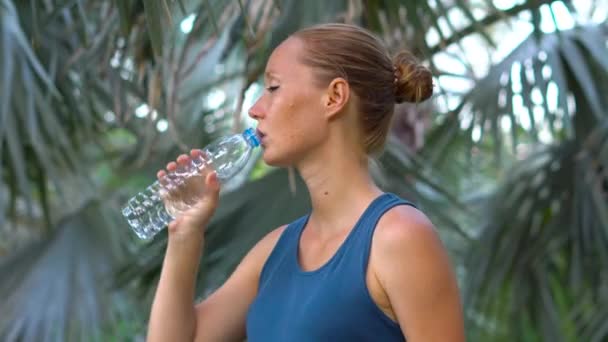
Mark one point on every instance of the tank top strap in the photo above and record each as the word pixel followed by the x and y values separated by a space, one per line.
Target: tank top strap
pixel 282 251
pixel 361 242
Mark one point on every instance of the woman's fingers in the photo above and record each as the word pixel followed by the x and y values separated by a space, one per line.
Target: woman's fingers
pixel 212 182
pixel 171 166
pixel 183 159
pixel 196 153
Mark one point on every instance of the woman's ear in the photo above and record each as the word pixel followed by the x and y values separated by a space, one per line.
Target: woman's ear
pixel 336 97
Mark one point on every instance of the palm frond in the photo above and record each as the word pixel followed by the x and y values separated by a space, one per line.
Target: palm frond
pixel 49 108
pixel 534 84
pixel 72 74
pixel 545 237
pixel 58 289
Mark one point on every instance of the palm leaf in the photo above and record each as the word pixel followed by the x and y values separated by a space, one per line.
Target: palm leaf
pixel 83 59
pixel 58 289
pixel 550 215
pixel 154 10
pixel 50 108
pixel 568 55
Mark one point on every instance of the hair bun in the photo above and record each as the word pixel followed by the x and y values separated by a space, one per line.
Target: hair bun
pixel 413 81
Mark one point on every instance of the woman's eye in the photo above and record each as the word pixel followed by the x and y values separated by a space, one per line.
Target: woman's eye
pixel 272 88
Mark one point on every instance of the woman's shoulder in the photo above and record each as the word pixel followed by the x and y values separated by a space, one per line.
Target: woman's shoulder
pixel 405 227
pixel 266 244
pixel 414 270
pixel 405 236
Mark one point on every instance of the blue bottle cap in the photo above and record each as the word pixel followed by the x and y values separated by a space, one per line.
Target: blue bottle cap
pixel 250 135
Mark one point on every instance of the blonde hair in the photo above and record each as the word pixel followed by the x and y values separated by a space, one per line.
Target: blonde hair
pixel 379 81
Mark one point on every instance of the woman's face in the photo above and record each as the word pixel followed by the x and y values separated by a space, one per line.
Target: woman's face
pixel 290 113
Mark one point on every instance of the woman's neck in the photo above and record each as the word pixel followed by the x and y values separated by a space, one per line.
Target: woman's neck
pixel 339 185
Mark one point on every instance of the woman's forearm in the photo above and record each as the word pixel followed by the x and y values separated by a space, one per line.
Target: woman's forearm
pixel 172 317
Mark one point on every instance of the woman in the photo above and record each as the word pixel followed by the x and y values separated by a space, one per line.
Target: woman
pixel 363 265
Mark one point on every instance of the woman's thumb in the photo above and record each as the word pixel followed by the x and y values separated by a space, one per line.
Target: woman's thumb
pixel 212 182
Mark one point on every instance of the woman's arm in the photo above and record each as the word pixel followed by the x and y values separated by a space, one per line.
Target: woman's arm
pixel 414 270
pixel 221 316
pixel 172 317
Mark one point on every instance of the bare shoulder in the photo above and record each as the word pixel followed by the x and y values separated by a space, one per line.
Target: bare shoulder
pixel 405 226
pixel 262 249
pixel 406 241
pixel 271 238
pixel 415 272
pixel 407 253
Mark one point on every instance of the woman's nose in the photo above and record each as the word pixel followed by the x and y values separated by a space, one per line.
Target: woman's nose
pixel 255 112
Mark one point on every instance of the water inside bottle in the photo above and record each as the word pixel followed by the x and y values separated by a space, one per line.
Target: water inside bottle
pixel 146 212
pixel 182 196
pixel 169 197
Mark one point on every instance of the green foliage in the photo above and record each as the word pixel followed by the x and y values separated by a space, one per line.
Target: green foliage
pixel 86 86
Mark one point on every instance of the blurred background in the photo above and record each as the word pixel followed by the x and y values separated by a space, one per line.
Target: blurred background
pixel 509 158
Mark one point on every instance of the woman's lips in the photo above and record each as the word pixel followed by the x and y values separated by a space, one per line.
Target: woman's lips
pixel 261 135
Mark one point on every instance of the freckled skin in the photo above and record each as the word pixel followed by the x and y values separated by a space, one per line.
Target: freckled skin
pixel 292 115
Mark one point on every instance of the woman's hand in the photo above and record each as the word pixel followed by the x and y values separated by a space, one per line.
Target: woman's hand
pixel 193 202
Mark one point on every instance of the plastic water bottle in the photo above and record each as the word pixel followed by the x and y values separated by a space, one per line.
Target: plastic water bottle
pixel 150 211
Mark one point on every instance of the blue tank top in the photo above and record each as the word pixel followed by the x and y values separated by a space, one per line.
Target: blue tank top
pixel 331 303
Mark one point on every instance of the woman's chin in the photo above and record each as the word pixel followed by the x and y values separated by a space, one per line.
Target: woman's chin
pixel 275 160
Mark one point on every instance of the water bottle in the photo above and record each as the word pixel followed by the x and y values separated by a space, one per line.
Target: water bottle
pixel 150 211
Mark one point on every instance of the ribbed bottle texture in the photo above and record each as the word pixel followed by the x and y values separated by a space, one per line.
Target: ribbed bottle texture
pixel 151 210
